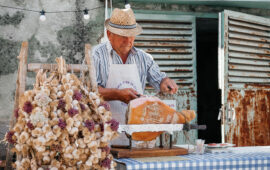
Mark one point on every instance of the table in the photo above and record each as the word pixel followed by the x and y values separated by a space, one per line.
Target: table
pixel 257 158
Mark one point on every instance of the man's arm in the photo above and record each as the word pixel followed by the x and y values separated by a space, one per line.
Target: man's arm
pixel 124 95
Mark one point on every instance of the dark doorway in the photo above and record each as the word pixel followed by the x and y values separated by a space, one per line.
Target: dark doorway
pixel 209 96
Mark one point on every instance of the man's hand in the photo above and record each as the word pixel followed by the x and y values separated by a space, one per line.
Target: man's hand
pixel 167 85
pixel 127 94
pixel 124 95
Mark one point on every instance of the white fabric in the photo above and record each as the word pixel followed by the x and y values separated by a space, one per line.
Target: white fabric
pixel 170 128
pixel 122 76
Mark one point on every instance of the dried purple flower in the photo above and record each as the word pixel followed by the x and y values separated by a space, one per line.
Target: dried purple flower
pixel 27 107
pixel 77 95
pixel 114 124
pixel 72 112
pixel 82 107
pixel 61 104
pixel 106 105
pixel 16 113
pixel 106 149
pixel 62 124
pixel 89 124
pixel 101 127
pixel 106 163
pixel 9 137
pixel 30 125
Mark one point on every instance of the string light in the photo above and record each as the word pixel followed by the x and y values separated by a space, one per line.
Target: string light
pixel 85 14
pixel 42 16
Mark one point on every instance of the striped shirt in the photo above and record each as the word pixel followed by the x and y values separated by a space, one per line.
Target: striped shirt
pixel 148 69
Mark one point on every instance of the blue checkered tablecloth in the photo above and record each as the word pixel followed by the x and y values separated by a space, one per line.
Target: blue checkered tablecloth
pixel 218 161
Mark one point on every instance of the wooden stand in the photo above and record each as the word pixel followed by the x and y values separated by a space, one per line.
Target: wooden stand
pixel 140 153
pixel 23 68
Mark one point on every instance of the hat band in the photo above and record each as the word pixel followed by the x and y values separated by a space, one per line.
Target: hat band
pixel 122 26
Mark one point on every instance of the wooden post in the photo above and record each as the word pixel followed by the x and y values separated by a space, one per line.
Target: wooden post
pixel 20 88
pixel 92 71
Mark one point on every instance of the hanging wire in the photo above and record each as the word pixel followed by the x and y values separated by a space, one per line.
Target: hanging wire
pixel 23 9
pixel 38 11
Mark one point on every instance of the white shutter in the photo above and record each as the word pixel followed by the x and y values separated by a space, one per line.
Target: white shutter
pixel 248 49
pixel 170 39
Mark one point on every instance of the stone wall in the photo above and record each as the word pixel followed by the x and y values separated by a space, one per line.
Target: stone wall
pixel 62 34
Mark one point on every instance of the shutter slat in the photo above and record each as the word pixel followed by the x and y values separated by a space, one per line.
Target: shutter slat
pixel 163 38
pixel 165 32
pixel 249 50
pixel 249 43
pixel 248 62
pixel 180 69
pixel 178 74
pixel 172 56
pixel 182 81
pixel 261 21
pixel 165 26
pixel 249 68
pixel 248 74
pixel 249 38
pixel 249 56
pixel 250 32
pixel 248 25
pixel 173 62
pixel 248 80
pixel 161 44
pixel 167 50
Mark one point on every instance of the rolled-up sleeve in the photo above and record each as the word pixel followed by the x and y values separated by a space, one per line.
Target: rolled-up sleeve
pixel 154 75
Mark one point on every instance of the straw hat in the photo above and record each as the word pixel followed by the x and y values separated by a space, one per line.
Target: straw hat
pixel 123 22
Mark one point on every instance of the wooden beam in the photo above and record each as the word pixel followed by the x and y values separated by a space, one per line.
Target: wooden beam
pixel 70 67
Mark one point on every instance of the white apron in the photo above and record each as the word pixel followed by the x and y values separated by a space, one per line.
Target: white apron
pixel 122 76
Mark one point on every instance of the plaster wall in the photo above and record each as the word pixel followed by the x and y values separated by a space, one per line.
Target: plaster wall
pixel 62 34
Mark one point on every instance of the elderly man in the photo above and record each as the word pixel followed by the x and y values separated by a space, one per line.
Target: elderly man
pixel 122 69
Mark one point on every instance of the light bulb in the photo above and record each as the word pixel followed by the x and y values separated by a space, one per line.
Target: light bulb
pixel 42 16
pixel 85 14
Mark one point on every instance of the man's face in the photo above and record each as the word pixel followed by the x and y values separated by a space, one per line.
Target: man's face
pixel 121 44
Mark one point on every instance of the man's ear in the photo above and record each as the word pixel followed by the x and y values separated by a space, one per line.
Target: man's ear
pixel 108 33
